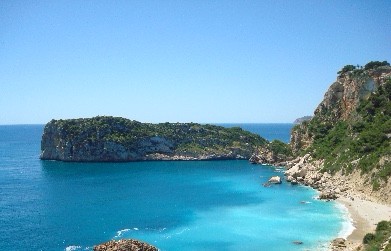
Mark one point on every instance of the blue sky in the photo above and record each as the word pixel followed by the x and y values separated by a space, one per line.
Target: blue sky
pixel 181 61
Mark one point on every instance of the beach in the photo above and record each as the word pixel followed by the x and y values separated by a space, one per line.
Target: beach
pixel 365 215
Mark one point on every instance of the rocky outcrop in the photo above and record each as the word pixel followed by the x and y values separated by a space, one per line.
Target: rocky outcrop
pixel 341 101
pixel 119 139
pixel 124 245
pixel 300 137
pixel 304 170
pixel 338 244
pixel 274 153
pixel 275 180
pixel 308 171
pixel 347 114
pixel 344 95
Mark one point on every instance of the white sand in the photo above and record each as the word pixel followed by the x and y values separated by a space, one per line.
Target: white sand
pixel 365 215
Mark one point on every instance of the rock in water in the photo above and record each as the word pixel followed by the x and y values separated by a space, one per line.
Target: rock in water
pixel 275 180
pixel 124 245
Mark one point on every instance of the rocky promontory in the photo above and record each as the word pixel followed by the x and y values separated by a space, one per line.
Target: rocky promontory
pixel 124 245
pixel 107 138
pixel 346 147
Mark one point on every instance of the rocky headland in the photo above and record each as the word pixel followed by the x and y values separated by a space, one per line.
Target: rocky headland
pixel 344 150
pixel 345 147
pixel 118 139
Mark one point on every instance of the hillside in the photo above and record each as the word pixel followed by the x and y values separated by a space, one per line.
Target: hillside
pixel 350 132
pixel 120 139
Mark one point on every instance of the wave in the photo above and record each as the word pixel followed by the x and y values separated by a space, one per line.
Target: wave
pixel 72 248
pixel 347 225
pixel 121 232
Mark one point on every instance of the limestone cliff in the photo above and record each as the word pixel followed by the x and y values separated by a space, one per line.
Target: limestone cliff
pixel 346 147
pixel 340 102
pixel 119 139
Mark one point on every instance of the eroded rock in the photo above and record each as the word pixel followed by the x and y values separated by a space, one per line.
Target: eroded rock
pixel 124 245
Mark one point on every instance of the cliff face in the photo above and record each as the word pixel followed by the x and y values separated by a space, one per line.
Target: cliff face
pixel 349 136
pixel 119 139
pixel 344 95
pixel 341 102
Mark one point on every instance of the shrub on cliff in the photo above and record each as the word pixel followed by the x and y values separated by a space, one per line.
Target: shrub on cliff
pixel 368 238
pixel 375 64
pixel 380 239
pixel 347 68
pixel 279 147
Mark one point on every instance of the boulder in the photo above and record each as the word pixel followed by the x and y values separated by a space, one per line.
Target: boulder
pixel 124 245
pixel 338 244
pixel 327 195
pixel 275 180
pixel 298 170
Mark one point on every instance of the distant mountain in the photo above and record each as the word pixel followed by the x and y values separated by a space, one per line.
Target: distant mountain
pixel 302 119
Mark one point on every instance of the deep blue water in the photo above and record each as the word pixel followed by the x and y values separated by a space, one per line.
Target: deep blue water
pixel 206 205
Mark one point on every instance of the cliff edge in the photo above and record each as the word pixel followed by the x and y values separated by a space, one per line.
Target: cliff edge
pixel 346 147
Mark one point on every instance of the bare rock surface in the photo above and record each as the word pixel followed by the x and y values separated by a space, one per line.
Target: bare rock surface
pixel 124 245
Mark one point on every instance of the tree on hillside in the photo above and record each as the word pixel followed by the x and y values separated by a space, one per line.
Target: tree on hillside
pixel 347 68
pixel 375 64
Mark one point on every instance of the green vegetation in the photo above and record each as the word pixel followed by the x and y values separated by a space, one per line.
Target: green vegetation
pixel 380 239
pixel 347 68
pixel 375 64
pixel 358 70
pixel 187 138
pixel 279 147
pixel 359 142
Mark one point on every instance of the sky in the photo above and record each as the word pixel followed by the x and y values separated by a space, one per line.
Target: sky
pixel 181 61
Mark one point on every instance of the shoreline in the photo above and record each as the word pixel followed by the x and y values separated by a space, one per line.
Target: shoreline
pixel 364 216
pixel 364 208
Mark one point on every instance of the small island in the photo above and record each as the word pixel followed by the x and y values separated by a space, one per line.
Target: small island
pixel 115 139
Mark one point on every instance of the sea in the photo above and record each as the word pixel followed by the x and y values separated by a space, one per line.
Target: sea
pixel 173 205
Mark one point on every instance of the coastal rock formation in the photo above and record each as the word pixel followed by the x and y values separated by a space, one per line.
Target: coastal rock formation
pixel 275 180
pixel 118 139
pixel 341 102
pixel 274 153
pixel 338 244
pixel 124 245
pixel 300 137
pixel 345 148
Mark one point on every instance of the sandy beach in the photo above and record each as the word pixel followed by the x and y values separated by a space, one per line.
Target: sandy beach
pixel 365 215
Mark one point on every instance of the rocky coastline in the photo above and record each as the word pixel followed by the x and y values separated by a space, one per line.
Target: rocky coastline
pixel 307 171
pixel 366 207
pixel 343 151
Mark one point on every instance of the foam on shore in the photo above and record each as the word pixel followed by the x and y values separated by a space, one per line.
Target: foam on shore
pixel 347 225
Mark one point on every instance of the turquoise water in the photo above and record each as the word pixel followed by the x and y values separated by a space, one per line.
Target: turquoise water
pixel 207 205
